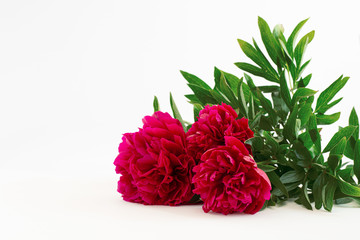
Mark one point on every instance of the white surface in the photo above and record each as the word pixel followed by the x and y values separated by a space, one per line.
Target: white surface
pixel 75 75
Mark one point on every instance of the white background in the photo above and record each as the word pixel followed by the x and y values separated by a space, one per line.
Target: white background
pixel 76 75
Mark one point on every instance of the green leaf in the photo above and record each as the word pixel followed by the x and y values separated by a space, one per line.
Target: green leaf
pixel 242 101
pixel 257 57
pixel 301 46
pixel 284 90
pixel 232 80
pixel 192 98
pixel 156 104
pixel 305 112
pixel 256 143
pixel 293 36
pixel 272 143
pixel 329 93
pixel 266 168
pixel 292 176
pixel 192 79
pixel 269 68
pixel 317 190
pixel 176 112
pixel 265 103
pixel 202 94
pixel 265 123
pixel 275 180
pixel 302 68
pixel 327 119
pixel 334 160
pixel 269 89
pixel 324 108
pixel 357 160
pixel 304 81
pixel 304 197
pixel 269 41
pixel 302 153
pixel 256 71
pixel 354 121
pixel 314 134
pixel 329 194
pixel 289 128
pixel 348 189
pixel 339 147
pixel 302 93
pixel 344 132
pixel 280 106
pixel 228 92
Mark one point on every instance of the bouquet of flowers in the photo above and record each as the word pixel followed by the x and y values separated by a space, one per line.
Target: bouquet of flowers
pixel 250 146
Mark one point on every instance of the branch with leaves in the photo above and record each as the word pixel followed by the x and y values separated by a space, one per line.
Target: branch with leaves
pixel 285 119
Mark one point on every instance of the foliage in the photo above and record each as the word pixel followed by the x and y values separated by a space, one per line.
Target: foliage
pixel 285 116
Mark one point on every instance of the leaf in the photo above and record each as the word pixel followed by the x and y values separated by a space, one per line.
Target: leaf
pixel 292 176
pixel 302 153
pixel 265 123
pixel 176 112
pixel 269 89
pixel 304 198
pixel 356 167
pixel 192 98
pixel 334 160
pixel 314 134
pixel 275 180
pixel 302 68
pixel 156 104
pixel 327 119
pixel 302 93
pixel 269 41
pixel 348 189
pixel 317 190
pixel 280 106
pixel 226 90
pixel 256 71
pixel 293 36
pixel 242 101
pixel 232 80
pixel 304 81
pixel 257 57
pixel 354 121
pixel 301 46
pixel 268 66
pixel 344 132
pixel 265 103
pixel 324 108
pixel 257 143
pixel 273 144
pixel 192 79
pixel 284 90
pixel 266 168
pixel 339 147
pixel 329 93
pixel 289 128
pixel 202 94
pixel 329 194
pixel 305 112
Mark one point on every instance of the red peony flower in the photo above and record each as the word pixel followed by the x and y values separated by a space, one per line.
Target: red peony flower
pixel 213 124
pixel 154 164
pixel 228 180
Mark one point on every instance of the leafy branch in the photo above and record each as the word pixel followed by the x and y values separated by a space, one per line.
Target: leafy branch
pixel 285 119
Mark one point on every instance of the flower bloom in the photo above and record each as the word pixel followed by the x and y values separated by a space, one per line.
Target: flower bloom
pixel 228 180
pixel 213 124
pixel 154 165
